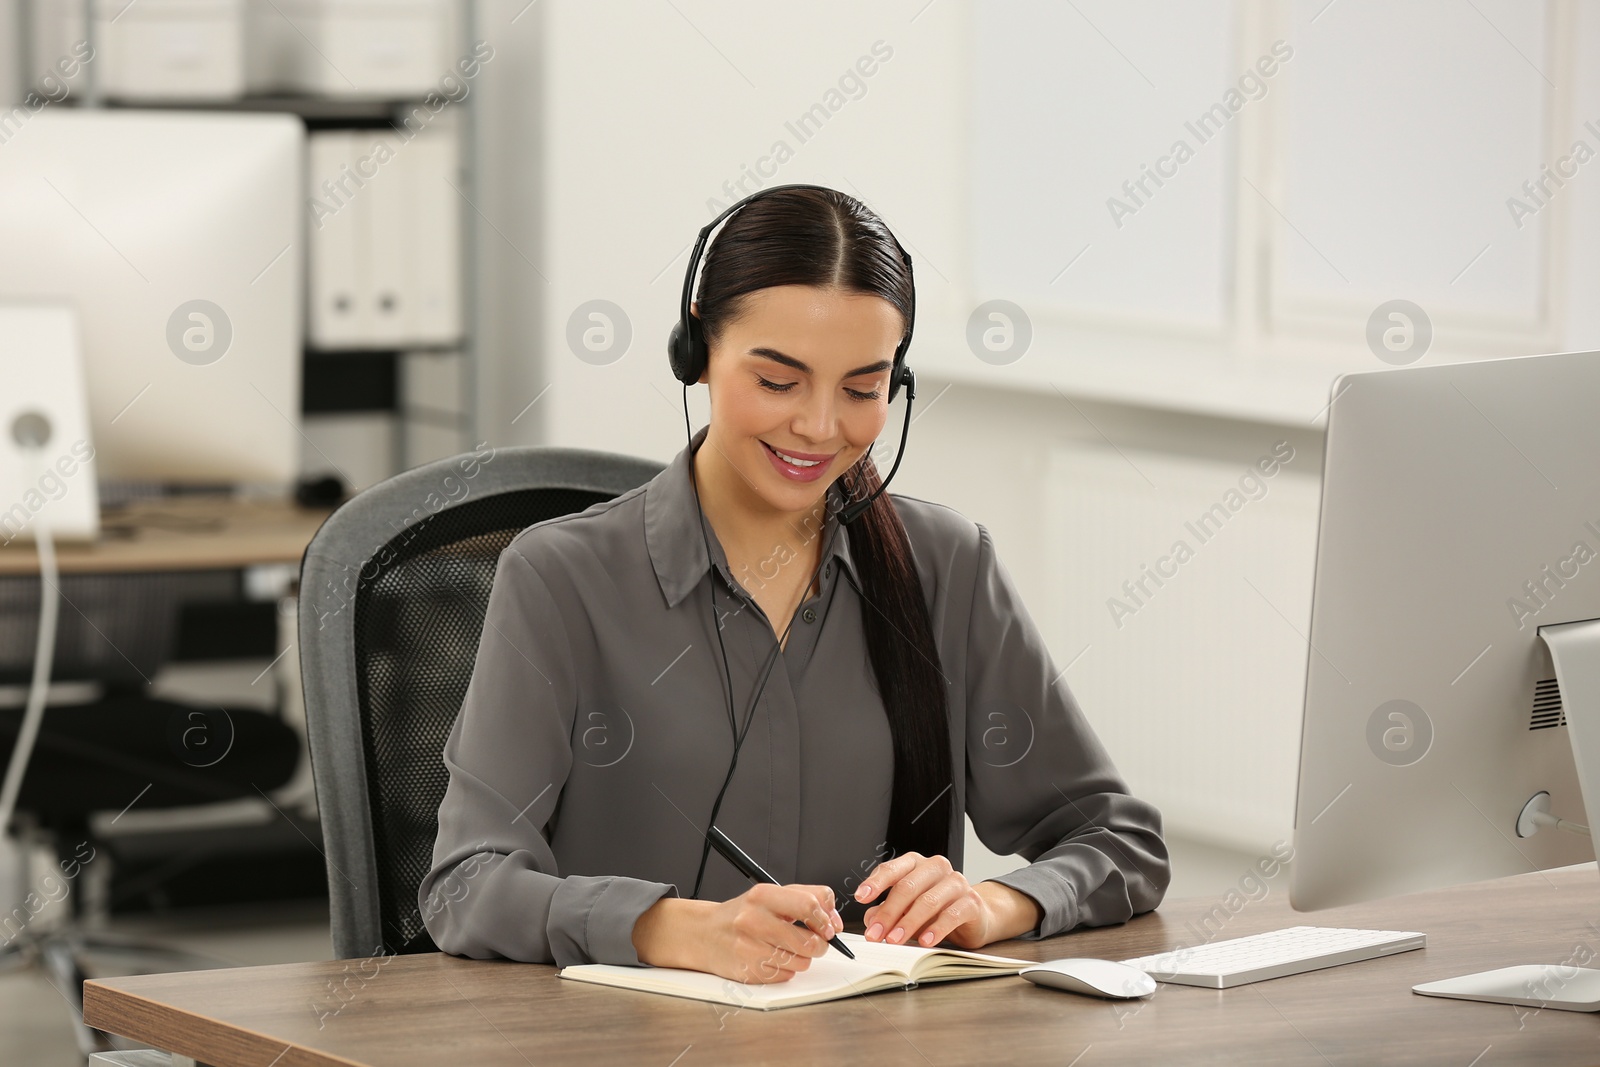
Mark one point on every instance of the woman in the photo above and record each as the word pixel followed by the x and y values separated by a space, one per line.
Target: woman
pixel 812 694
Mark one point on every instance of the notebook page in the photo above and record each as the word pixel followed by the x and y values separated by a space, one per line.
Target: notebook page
pixel 829 976
pixel 903 959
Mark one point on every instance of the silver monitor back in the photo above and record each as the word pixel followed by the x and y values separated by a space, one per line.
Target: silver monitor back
pixel 178 237
pixel 1460 513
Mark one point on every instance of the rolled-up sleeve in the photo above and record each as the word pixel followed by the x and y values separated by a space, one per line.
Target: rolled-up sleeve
pixel 1039 782
pixel 494 888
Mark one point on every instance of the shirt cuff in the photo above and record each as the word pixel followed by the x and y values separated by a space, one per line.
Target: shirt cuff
pixel 592 918
pixel 1056 897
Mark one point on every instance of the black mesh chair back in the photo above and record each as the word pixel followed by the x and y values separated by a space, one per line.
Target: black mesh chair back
pixel 393 591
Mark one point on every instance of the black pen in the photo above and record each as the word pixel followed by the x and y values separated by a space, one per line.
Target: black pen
pixel 751 869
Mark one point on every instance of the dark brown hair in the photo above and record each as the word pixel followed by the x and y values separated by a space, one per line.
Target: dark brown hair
pixel 831 240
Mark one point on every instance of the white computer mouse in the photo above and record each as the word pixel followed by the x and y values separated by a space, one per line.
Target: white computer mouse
pixel 1092 978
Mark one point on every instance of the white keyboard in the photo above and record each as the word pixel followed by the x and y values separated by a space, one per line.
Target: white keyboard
pixel 1243 960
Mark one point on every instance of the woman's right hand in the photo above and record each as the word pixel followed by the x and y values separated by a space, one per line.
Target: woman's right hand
pixel 750 938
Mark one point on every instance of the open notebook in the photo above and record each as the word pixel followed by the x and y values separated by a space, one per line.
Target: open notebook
pixel 830 976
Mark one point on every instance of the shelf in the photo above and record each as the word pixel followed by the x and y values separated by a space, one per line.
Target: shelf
pixel 314 109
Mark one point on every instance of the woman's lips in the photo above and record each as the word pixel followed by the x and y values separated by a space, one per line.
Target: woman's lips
pixel 794 473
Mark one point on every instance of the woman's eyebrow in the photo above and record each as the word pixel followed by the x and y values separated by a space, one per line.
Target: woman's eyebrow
pixel 789 361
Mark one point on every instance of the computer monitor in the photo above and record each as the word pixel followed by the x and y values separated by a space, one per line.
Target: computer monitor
pixel 47 469
pixel 178 237
pixel 1459 544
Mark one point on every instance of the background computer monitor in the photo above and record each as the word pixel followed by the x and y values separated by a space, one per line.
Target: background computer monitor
pixel 47 469
pixel 1460 513
pixel 178 238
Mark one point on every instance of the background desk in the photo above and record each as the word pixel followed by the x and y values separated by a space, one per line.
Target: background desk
pixel 158 564
pixel 199 532
pixel 434 1009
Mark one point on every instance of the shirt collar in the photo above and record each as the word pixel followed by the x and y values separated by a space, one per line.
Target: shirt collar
pixel 671 513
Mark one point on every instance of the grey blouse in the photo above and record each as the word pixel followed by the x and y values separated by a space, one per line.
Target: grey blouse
pixel 594 737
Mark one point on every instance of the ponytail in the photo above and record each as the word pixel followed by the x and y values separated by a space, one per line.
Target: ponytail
pixel 905 662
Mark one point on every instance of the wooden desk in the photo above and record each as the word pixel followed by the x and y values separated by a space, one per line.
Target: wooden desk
pixel 181 534
pixel 435 1009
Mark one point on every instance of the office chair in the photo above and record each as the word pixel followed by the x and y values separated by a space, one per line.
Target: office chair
pixel 393 591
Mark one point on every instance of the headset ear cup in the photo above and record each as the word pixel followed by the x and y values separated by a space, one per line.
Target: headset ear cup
pixel 686 352
pixel 676 356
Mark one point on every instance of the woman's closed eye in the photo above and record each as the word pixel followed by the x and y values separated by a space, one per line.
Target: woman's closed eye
pixel 855 394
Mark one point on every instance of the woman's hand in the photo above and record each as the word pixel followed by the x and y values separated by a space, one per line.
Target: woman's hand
pixel 930 901
pixel 750 938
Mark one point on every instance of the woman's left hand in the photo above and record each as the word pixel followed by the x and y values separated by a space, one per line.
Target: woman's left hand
pixel 929 901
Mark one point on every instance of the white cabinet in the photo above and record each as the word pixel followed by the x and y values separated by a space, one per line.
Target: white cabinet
pixel 385 49
pixel 178 50
pixel 146 50
pixel 1083 202
pixel 1423 153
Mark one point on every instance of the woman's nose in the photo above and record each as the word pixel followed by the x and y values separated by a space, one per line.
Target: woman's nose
pixel 818 419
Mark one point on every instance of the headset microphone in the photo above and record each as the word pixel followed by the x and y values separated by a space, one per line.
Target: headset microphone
pixel 855 511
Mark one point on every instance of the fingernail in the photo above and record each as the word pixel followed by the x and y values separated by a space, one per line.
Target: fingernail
pixel 927 937
pixel 874 931
pixel 897 935
pixel 837 921
pixel 864 891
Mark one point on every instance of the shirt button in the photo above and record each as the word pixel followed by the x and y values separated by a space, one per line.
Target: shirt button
pixel 809 615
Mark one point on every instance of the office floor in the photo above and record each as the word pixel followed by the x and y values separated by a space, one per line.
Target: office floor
pixel 33 1017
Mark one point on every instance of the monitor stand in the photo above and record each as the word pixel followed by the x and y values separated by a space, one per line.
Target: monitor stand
pixel 1575 651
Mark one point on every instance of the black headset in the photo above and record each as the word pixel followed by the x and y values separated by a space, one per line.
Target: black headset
pixel 688 354
pixel 686 345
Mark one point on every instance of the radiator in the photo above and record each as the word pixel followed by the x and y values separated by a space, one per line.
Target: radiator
pixel 1194 680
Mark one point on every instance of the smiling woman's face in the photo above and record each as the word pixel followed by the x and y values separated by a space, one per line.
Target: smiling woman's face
pixel 804 371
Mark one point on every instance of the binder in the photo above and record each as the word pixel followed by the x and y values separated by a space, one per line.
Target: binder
pixel 435 252
pixel 389 216
pixel 385 236
pixel 337 312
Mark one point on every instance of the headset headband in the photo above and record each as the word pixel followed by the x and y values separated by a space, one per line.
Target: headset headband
pixel 686 335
